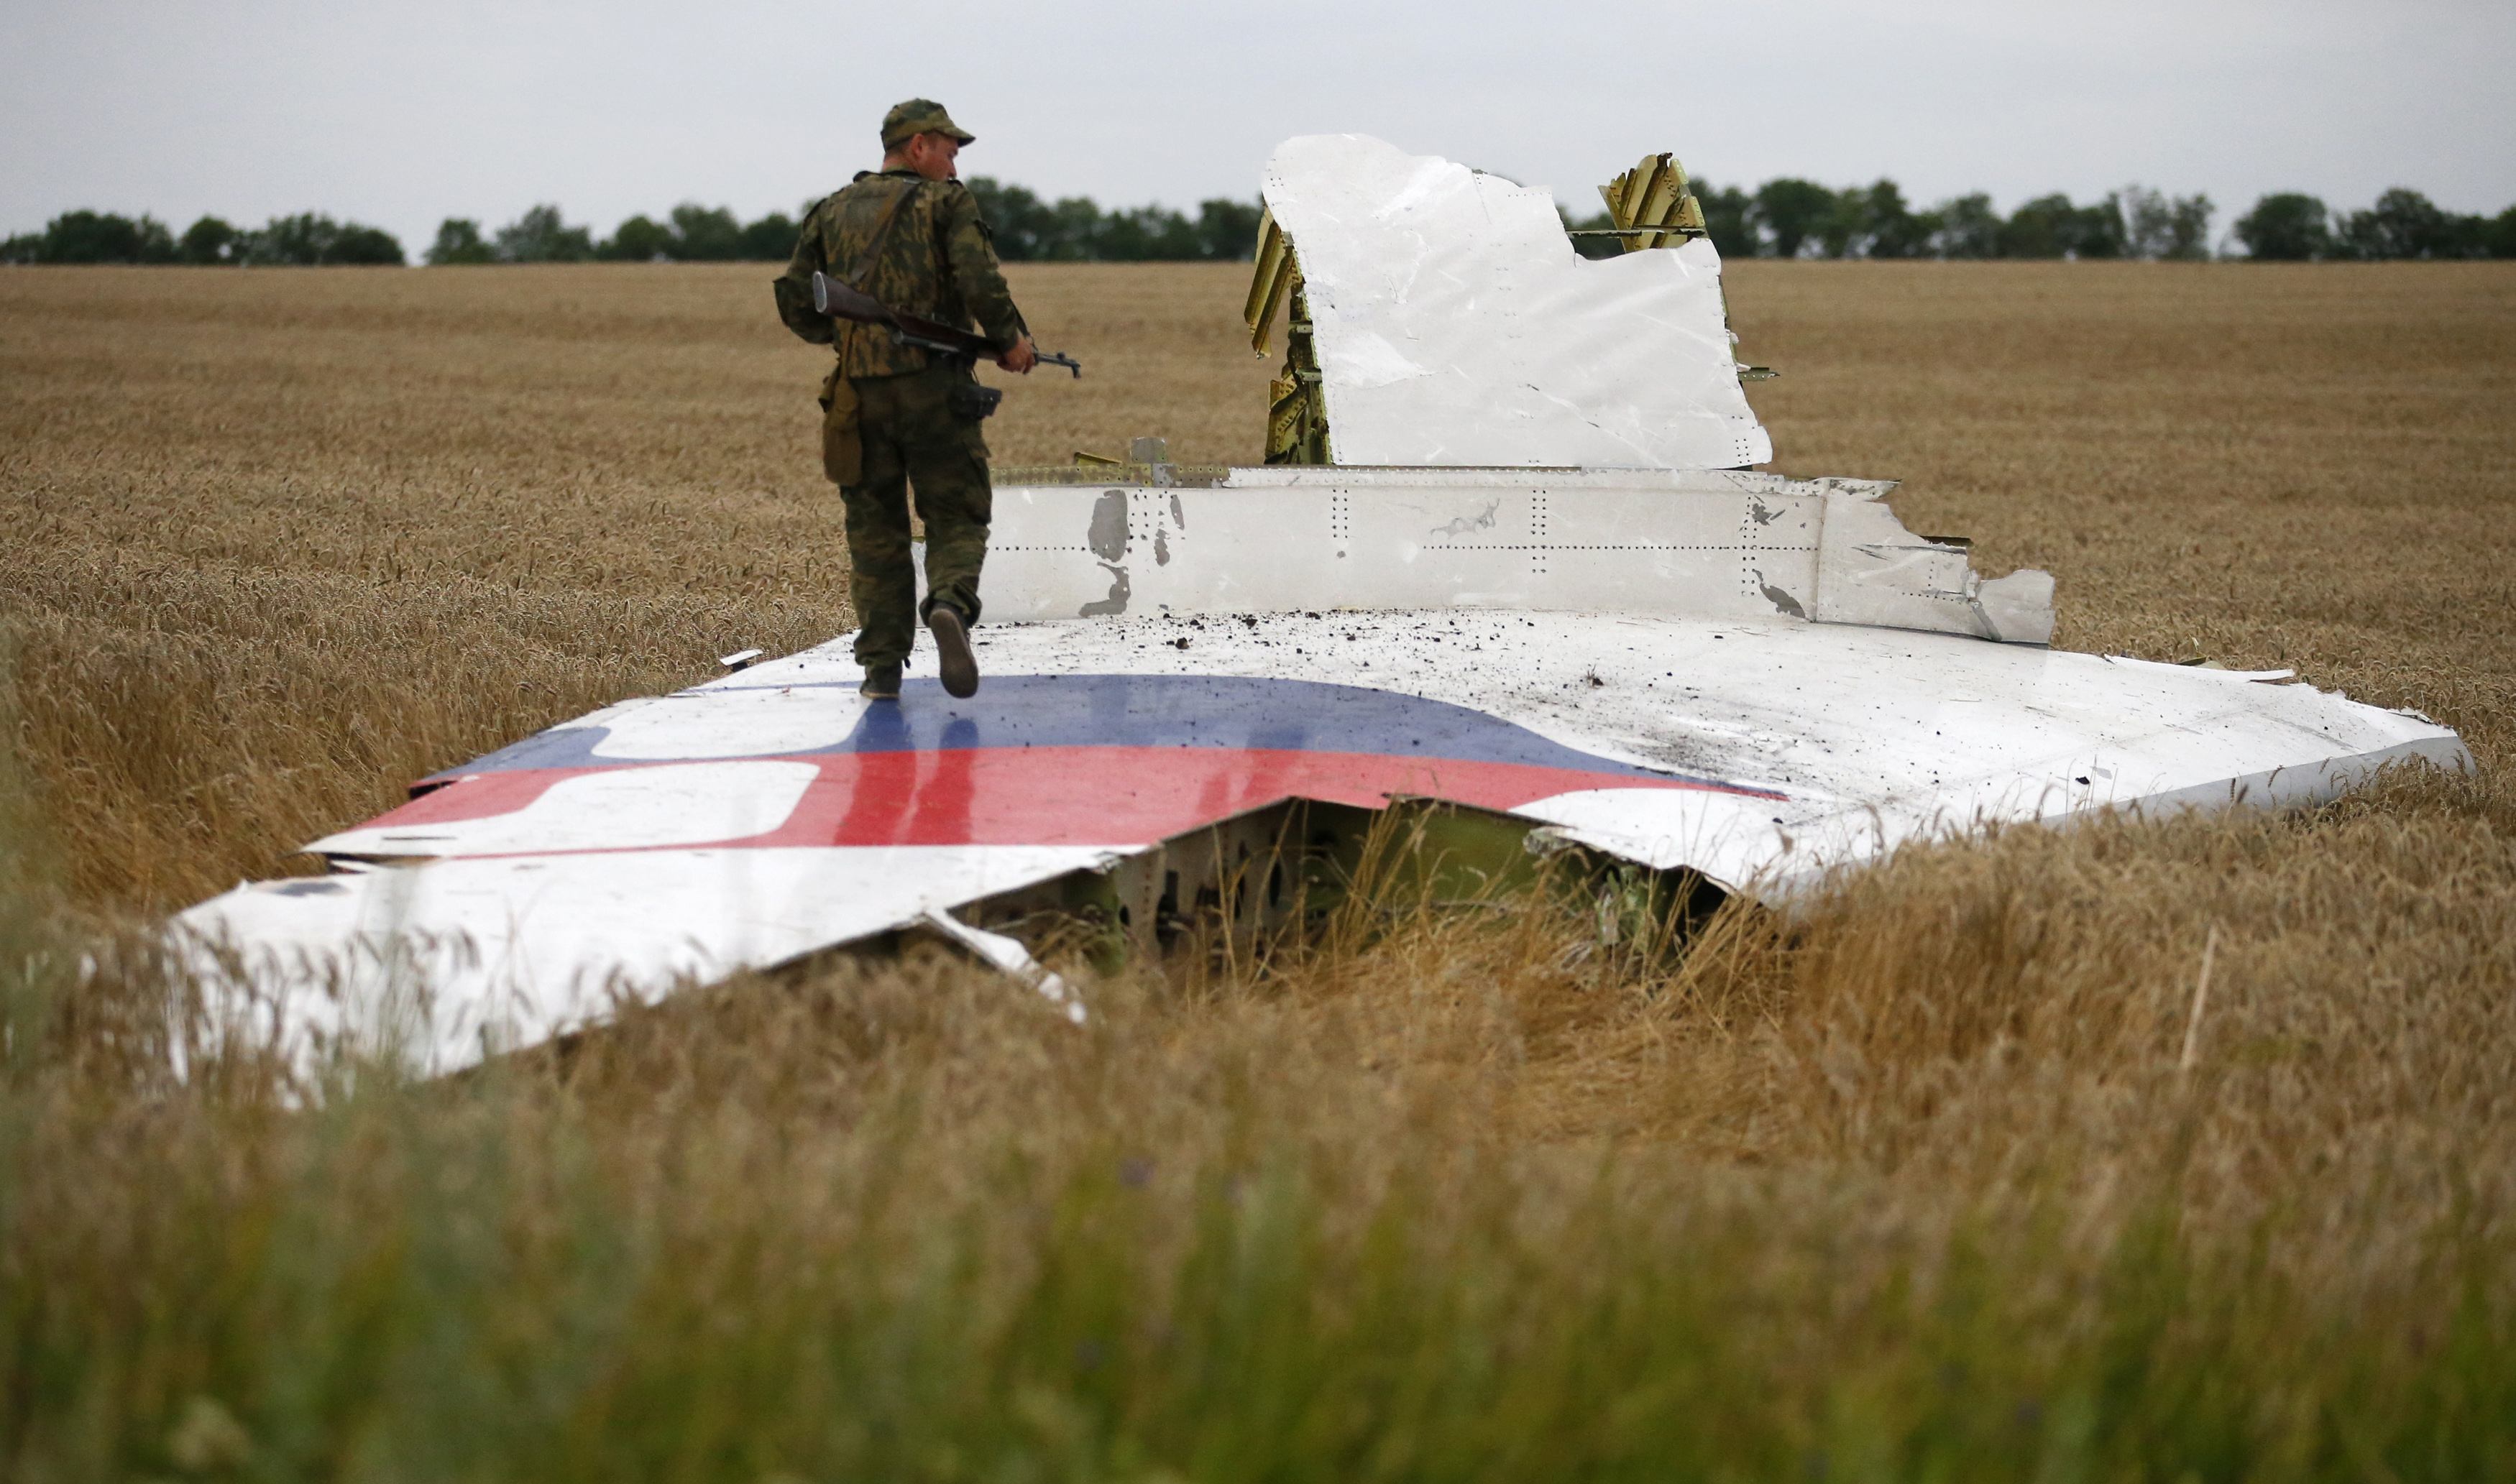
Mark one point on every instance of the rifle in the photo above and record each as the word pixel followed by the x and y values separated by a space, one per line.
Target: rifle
pixel 840 302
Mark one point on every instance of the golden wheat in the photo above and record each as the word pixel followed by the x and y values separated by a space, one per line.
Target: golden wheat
pixel 1925 1173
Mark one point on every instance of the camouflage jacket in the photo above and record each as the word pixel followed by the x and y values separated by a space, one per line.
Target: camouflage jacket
pixel 939 262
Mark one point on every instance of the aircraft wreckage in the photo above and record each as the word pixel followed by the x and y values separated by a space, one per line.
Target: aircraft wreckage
pixel 1506 571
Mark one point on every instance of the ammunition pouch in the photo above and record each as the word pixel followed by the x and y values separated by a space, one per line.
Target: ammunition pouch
pixel 970 400
pixel 842 431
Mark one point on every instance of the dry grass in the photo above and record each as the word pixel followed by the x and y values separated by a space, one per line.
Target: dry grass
pixel 280 543
pixel 1923 1189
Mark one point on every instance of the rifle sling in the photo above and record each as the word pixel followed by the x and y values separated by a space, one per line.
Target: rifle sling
pixel 881 236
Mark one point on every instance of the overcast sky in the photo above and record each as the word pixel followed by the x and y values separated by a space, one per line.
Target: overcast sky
pixel 400 114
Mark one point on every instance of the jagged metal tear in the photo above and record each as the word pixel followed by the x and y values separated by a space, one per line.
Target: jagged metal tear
pixel 1702 544
pixel 1456 325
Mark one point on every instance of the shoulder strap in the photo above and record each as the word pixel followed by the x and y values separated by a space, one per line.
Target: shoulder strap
pixel 881 236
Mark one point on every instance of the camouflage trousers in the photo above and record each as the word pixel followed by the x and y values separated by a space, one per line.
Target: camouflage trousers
pixel 913 441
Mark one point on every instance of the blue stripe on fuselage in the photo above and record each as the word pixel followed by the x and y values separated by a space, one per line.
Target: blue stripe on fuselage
pixel 1147 711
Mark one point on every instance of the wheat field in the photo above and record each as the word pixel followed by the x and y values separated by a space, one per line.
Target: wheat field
pixel 1945 1178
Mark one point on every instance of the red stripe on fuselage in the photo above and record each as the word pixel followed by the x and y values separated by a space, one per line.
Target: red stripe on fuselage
pixel 1057 796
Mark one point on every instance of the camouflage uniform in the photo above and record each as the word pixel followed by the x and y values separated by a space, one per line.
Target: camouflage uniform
pixel 936 259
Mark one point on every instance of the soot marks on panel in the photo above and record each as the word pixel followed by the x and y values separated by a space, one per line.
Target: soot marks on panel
pixel 1120 591
pixel 1482 522
pixel 1781 601
pixel 1108 537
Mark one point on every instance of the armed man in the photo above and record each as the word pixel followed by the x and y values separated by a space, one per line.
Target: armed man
pixel 898 416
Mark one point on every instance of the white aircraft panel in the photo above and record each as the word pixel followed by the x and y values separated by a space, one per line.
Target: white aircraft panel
pixel 444 962
pixel 680 804
pixel 1874 737
pixel 1760 753
pixel 1455 325
pixel 1722 546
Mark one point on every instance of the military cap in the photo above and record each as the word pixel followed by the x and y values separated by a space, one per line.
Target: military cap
pixel 919 115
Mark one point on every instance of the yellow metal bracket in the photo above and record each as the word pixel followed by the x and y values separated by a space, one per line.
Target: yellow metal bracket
pixel 1652 204
pixel 1274 272
pixel 1297 414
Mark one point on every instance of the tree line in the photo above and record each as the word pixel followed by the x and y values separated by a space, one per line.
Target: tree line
pixel 2291 226
pixel 305 240
pixel 1027 229
pixel 1787 218
pixel 1791 218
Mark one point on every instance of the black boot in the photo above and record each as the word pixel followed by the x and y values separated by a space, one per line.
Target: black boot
pixel 952 651
pixel 881 684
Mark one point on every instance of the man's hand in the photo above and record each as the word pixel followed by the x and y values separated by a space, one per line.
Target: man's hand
pixel 1021 358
